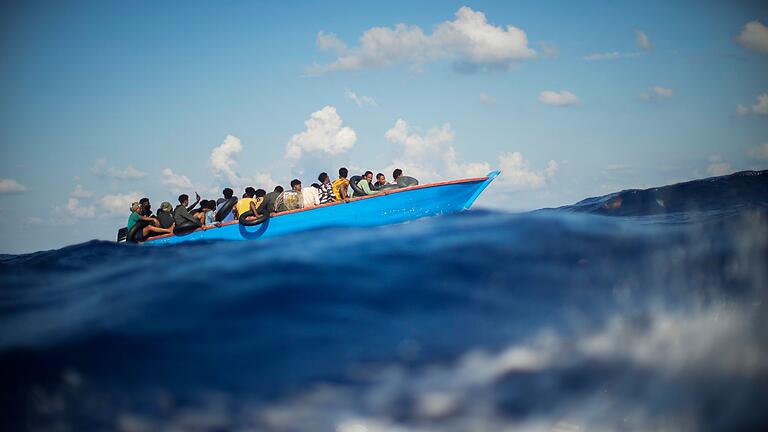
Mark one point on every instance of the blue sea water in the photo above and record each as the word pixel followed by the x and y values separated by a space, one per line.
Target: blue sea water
pixel 640 310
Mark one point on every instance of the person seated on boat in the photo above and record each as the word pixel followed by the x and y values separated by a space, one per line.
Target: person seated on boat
pixel 150 225
pixel 221 202
pixel 311 195
pixel 165 215
pixel 341 186
pixel 402 180
pixel 381 181
pixel 208 207
pixel 365 184
pixel 326 189
pixel 145 208
pixel 269 204
pixel 182 216
pixel 247 203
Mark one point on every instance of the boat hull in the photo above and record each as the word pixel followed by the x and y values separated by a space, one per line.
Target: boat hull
pixel 390 207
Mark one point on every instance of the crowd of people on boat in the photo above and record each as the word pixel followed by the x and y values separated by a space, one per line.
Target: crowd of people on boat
pixel 254 205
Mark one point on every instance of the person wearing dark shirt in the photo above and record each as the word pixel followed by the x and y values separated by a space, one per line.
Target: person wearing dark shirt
pixel 182 216
pixel 268 206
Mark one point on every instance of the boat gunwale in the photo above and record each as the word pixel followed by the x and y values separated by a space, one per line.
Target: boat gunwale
pixel 382 193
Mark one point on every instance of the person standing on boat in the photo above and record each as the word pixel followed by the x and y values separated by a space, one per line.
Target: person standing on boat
pixel 365 184
pixel 341 186
pixel 326 189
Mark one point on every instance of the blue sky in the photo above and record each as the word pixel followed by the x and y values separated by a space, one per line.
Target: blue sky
pixel 105 102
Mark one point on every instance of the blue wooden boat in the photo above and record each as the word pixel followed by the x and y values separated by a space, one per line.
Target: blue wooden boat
pixel 388 207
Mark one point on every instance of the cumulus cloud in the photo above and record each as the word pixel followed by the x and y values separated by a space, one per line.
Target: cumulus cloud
pixel 223 165
pixel 718 167
pixel 327 41
pixel 517 174
pixel 642 41
pixel 11 186
pixel 360 101
pixel 469 40
pixel 561 98
pixel 102 169
pixel 83 212
pixel 429 155
pixel 602 56
pixel 754 37
pixel 760 152
pixel 120 204
pixel 487 99
pixel 324 134
pixel 656 92
pixel 760 107
pixel 175 182
pixel 80 192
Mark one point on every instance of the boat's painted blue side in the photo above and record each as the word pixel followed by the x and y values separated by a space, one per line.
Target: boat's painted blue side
pixel 391 207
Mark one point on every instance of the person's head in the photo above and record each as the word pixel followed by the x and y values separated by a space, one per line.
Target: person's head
pixel 166 207
pixel 279 189
pixel 184 199
pixel 250 192
pixel 343 172
pixel 144 201
pixel 296 185
pixel 397 173
pixel 210 205
pixel 135 206
pixel 323 178
pixel 368 175
pixel 260 193
pixel 227 193
pixel 380 179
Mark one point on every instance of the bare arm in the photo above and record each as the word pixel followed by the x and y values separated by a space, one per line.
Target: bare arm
pixel 197 200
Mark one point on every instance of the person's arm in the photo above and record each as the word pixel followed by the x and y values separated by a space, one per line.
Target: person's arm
pixel 189 217
pixel 151 220
pixel 363 184
pixel 343 192
pixel 197 200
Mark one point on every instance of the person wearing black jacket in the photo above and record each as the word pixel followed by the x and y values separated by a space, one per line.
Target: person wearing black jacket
pixel 182 216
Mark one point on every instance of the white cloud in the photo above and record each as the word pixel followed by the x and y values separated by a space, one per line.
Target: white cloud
pixel 468 40
pixel 754 37
pixel 487 99
pixel 324 134
pixel 83 212
pixel 102 169
pixel 760 152
pixel 175 182
pixel 603 56
pixel 222 162
pixel 429 155
pixel 561 98
pixel 656 92
pixel 120 204
pixel 80 192
pixel 718 167
pixel 642 41
pixel 11 186
pixel 360 101
pixel 516 173
pixel 760 107
pixel 327 41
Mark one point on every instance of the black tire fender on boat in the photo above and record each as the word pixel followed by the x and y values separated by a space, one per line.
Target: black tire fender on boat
pixel 130 236
pixel 185 228
pixel 252 222
pixel 225 208
pixel 356 191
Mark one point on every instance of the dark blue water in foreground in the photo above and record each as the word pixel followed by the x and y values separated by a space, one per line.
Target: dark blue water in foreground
pixel 643 310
